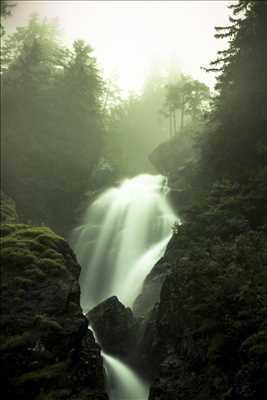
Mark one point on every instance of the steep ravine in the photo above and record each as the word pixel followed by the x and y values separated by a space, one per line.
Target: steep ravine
pixel 124 232
pixel 201 315
pixel 197 329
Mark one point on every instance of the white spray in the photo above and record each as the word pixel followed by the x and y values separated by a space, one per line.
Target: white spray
pixel 125 232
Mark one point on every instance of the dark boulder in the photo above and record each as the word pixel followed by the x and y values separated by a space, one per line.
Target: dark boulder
pixel 46 349
pixel 115 326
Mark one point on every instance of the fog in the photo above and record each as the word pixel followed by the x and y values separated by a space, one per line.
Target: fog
pixel 131 38
pixel 133 194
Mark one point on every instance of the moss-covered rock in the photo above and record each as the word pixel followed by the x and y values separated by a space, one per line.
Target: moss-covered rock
pixel 49 372
pixel 45 346
pixel 206 338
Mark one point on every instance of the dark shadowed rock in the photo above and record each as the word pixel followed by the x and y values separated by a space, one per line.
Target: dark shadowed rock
pixel 150 294
pixel 207 337
pixel 151 289
pixel 116 328
pixel 46 349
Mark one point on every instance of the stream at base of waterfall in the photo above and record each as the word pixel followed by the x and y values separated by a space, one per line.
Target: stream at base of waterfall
pixel 125 231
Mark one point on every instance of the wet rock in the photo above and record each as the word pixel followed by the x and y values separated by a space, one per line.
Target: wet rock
pixel 115 326
pixel 150 294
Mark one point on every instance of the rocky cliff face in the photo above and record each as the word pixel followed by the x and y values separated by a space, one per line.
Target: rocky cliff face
pixel 207 335
pixel 116 328
pixel 46 349
pixel 150 294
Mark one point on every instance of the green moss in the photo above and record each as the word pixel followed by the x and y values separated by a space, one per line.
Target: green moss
pixel 6 229
pixel 28 232
pixel 21 292
pixel 17 256
pixel 35 272
pixel 32 244
pixel 50 240
pixel 44 322
pixel 23 281
pixel 54 394
pixel 41 235
pixel 12 342
pixel 54 255
pixel 50 265
pixel 22 245
pixel 35 231
pixel 51 372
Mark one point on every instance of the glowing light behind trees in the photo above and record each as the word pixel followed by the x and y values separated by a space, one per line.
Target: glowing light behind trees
pixel 131 36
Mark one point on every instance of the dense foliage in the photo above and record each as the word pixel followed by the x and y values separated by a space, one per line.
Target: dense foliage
pixel 187 98
pixel 52 130
pixel 207 336
pixel 239 141
pixel 210 326
pixel 167 107
pixel 5 10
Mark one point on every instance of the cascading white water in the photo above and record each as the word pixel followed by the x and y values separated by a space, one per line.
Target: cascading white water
pixel 125 232
pixel 123 383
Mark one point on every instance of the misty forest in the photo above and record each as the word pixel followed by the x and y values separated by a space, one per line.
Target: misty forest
pixel 133 216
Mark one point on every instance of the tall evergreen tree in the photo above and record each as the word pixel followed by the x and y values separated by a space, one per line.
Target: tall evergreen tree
pixel 52 127
pixel 239 139
pixel 5 10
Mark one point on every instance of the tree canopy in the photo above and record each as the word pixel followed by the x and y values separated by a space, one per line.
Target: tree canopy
pixel 53 130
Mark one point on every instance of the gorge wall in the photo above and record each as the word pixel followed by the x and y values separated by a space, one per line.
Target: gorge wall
pixel 47 351
pixel 206 336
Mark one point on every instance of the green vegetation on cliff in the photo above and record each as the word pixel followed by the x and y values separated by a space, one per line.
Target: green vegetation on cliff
pixel 46 349
pixel 52 130
pixel 209 332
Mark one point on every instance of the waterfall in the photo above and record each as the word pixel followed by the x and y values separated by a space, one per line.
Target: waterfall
pixel 124 233
pixel 123 383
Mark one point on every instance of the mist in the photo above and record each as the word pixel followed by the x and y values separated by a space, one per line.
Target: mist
pixel 133 200
pixel 133 38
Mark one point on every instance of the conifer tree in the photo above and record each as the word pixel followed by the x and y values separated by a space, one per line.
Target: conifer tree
pixel 240 107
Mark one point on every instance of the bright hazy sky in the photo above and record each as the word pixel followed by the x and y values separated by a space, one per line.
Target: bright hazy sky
pixel 132 37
